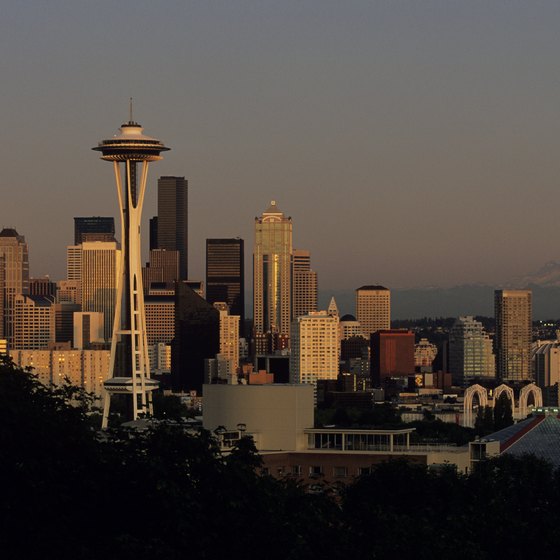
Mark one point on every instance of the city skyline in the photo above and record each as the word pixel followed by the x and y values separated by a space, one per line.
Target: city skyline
pixel 417 127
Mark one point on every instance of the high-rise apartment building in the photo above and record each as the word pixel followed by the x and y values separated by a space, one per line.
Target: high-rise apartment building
pixel 272 268
pixel 225 274
pixel 94 228
pixel 229 337
pixel 172 219
pixel 14 278
pixel 373 309
pixel 315 347
pixel 99 272
pixel 470 351
pixel 513 312
pixel 304 284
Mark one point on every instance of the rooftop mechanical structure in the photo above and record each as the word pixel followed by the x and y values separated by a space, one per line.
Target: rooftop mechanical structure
pixel 130 151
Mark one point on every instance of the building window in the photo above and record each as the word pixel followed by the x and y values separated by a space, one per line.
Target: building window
pixel 296 470
pixel 315 471
pixel 362 471
pixel 340 472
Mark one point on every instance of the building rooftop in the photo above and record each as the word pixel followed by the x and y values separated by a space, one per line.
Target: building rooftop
pixel 9 232
pixel 373 288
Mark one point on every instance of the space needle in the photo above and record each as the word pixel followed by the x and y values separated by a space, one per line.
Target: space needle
pixel 129 371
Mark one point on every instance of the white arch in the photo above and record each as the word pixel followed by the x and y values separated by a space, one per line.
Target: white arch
pixel 524 398
pixel 473 390
pixel 503 388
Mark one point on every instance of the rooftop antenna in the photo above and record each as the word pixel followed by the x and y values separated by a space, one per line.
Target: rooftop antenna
pixel 130 110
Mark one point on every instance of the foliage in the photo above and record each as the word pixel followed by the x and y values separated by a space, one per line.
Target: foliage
pixel 503 416
pixel 161 493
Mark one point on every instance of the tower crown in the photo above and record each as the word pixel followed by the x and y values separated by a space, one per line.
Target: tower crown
pixel 131 144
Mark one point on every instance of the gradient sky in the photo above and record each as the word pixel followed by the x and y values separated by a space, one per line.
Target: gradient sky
pixel 413 143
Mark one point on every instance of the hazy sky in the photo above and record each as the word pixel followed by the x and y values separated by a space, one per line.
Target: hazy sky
pixel 413 143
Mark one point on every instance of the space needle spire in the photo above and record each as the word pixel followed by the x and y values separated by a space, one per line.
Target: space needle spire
pixel 129 371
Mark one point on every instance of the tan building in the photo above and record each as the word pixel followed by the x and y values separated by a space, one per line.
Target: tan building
pixel 88 328
pixel 513 312
pixel 34 322
pixel 83 368
pixel 272 286
pixel 305 287
pixel 373 309
pixel 276 416
pixel 315 348
pixel 229 337
pixel 99 272
pixel 14 278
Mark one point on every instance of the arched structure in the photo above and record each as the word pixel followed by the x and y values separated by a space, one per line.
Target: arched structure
pixel 468 420
pixel 503 388
pixel 530 389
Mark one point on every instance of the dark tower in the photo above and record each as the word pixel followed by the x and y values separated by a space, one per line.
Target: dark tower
pixel 225 278
pixel 96 228
pixel 172 219
pixel 197 338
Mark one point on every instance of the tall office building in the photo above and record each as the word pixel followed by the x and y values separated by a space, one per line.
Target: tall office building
pixel 470 351
pixel 315 347
pixel 373 309
pixel 99 273
pixel 163 268
pixel 42 287
pixel 304 289
pixel 392 355
pixel 172 219
pixel 272 268
pixel 94 228
pixel 225 274
pixel 34 322
pixel 88 329
pixel 513 312
pixel 14 278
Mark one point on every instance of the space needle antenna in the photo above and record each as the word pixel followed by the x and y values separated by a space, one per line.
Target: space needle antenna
pixel 130 110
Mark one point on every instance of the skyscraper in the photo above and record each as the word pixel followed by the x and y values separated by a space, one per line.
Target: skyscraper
pixel 99 272
pixel 225 274
pixel 34 322
pixel 229 337
pixel 94 228
pixel 197 338
pixel 373 309
pixel 470 351
pixel 513 312
pixel 304 291
pixel 272 260
pixel 172 219
pixel 14 278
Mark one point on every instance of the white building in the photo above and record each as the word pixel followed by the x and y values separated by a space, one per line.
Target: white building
pixel 315 347
pixel 470 351
pixel 229 337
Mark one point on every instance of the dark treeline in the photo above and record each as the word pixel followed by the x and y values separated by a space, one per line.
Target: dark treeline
pixel 67 492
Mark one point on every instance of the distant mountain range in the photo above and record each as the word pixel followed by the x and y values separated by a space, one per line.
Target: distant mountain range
pixel 472 299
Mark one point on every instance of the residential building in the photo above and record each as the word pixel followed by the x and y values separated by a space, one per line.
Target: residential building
pixel 315 348
pixel 513 312
pixel 470 351
pixel 34 322
pixel 305 286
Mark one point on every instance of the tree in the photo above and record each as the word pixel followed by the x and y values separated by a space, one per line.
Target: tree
pixel 503 416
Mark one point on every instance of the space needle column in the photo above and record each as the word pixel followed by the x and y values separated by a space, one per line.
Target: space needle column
pixel 129 371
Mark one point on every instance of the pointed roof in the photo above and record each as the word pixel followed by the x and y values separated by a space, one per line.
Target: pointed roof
pixel 333 308
pixel 273 208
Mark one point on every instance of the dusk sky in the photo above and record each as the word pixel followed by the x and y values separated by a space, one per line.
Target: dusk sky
pixel 413 143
